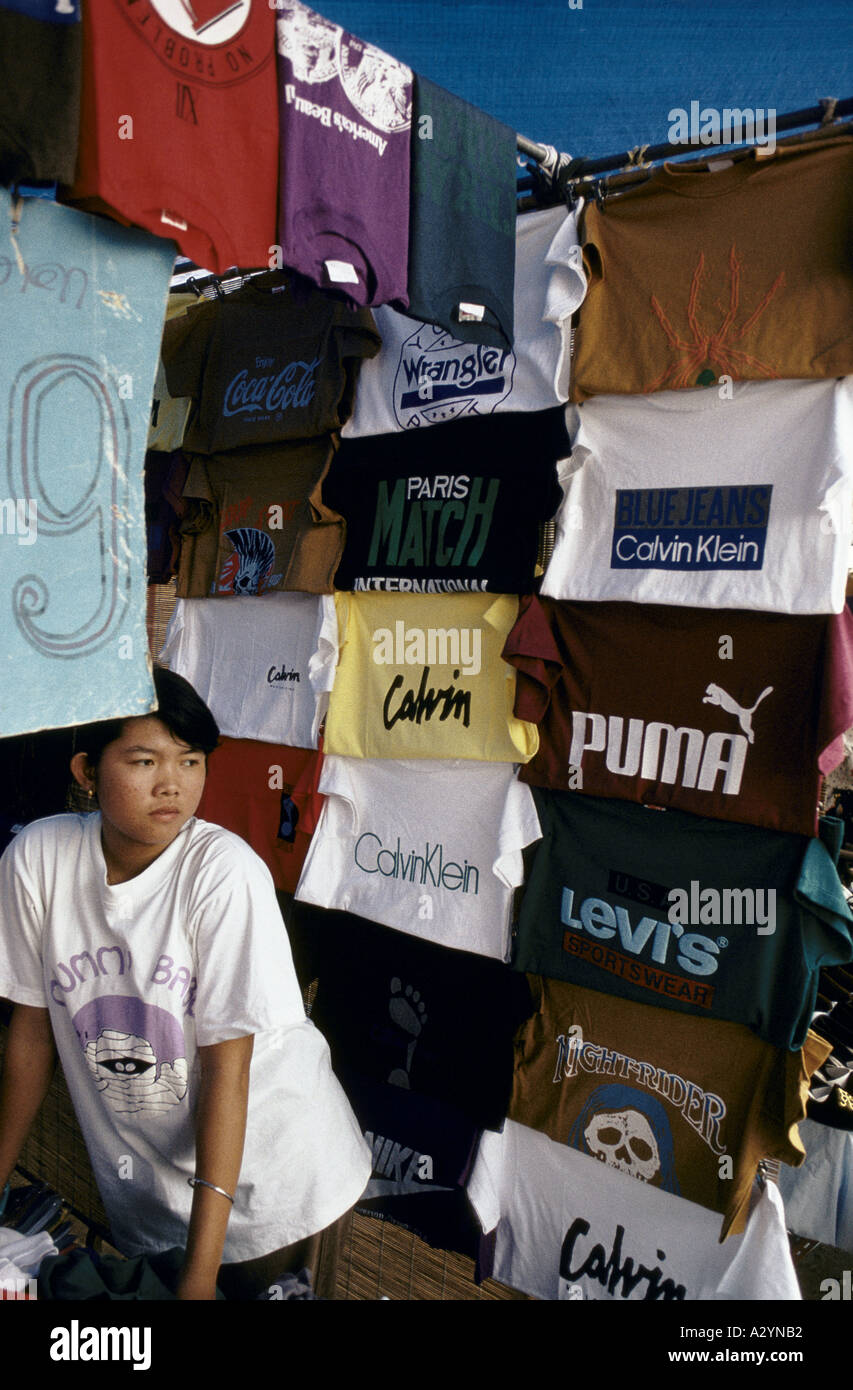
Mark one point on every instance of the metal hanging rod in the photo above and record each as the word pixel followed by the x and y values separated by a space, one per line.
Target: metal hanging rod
pixel 552 161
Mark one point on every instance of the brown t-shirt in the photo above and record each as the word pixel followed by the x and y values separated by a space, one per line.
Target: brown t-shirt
pixel 256 522
pixel 688 1105
pixel 275 360
pixel 742 270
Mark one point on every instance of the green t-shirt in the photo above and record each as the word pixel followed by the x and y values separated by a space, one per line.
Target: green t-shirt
pixel 704 916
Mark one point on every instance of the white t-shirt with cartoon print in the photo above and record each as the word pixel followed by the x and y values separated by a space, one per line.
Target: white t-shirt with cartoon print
pixel 431 847
pixel 137 976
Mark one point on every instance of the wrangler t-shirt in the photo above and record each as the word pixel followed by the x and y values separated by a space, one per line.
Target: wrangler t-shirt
pixel 722 713
pixel 684 1105
pixel 683 912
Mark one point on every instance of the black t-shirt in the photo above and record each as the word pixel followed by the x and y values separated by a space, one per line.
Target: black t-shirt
pixel 40 74
pixel 462 219
pixel 458 506
pixel 412 1014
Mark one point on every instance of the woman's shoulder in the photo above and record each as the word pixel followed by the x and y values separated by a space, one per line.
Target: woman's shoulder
pixel 214 854
pixel 51 832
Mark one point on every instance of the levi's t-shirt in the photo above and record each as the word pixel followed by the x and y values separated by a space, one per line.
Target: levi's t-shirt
pixel 661 1097
pixel 682 912
pixel 262 665
pixel 572 1228
pixel 733 497
pixel 448 508
pixel 422 677
pixel 431 847
pixel 722 713
pixel 275 360
pixel 257 521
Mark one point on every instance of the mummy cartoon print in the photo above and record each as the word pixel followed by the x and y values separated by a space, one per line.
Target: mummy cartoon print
pixel 629 1131
pixel 135 1053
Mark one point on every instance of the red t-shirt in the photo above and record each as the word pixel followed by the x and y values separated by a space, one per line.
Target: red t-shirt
pixel 727 714
pixel 179 127
pixel 267 794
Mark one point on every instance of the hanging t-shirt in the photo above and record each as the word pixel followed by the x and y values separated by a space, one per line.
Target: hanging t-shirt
pixel 726 269
pixel 267 794
pixel 818 1196
pixel 424 679
pixel 409 1013
pixel 345 120
pixel 452 506
pixel 432 848
pixel 665 908
pixel 570 1229
pixel 249 661
pixel 721 713
pixel 169 414
pixel 740 498
pixel 81 308
pixel 178 124
pixel 424 375
pixel 258 521
pixel 274 360
pixel 137 977
pixel 40 66
pixel 165 475
pixel 423 1151
pixel 462 219
pixel 686 1106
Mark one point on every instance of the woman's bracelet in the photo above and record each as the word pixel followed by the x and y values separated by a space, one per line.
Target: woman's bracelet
pixel 200 1182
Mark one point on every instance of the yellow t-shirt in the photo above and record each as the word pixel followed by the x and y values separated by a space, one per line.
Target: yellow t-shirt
pixel 421 676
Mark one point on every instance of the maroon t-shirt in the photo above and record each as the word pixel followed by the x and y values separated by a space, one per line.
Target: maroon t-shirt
pixel 723 713
pixel 345 123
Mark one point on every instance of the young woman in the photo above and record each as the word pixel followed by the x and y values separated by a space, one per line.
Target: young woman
pixel 147 948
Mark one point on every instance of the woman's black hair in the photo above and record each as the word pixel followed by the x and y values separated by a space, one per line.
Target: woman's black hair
pixel 184 713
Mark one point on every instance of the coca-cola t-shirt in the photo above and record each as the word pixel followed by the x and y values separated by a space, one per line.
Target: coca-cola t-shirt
pixel 726 714
pixel 345 121
pixel 452 507
pixel 274 360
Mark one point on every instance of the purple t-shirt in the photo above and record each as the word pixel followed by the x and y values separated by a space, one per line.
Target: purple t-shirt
pixel 345 115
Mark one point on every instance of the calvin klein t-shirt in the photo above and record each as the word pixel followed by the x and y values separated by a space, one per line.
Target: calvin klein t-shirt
pixel 698 915
pixel 726 714
pixel 422 677
pixel 571 1228
pixel 430 847
pixel 736 497
pixel 261 664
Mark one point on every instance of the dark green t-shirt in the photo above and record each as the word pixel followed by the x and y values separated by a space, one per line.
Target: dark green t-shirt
pixel 711 918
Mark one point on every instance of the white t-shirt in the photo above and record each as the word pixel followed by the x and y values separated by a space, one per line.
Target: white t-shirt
pixel 249 658
pixel 139 975
pixel 572 1228
pixel 423 375
pixel 689 497
pixel 819 1196
pixel 432 848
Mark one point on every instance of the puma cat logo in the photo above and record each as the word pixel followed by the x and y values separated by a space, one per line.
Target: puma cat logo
pixel 715 695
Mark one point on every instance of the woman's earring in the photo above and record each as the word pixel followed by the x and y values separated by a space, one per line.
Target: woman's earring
pixel 90 792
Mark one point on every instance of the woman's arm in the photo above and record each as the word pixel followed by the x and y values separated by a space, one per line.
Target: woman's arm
pixel 28 1068
pixel 220 1129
